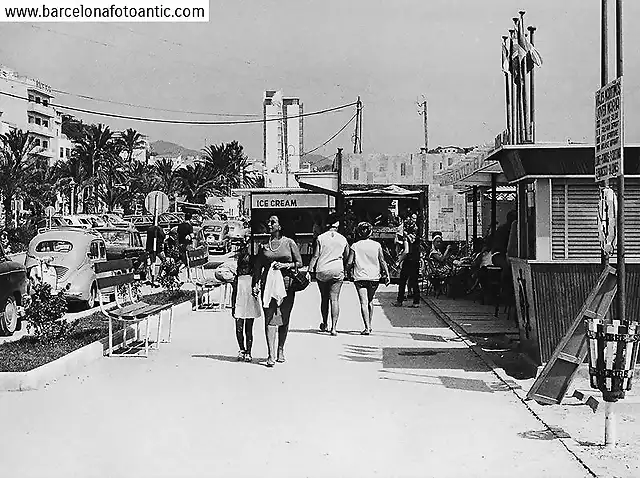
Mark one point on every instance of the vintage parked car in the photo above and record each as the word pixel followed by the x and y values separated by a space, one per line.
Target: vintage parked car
pixel 14 289
pixel 72 253
pixel 125 243
pixel 237 232
pixel 113 220
pixel 217 235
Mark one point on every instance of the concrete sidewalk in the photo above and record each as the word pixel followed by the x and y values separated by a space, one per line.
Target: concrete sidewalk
pixel 409 400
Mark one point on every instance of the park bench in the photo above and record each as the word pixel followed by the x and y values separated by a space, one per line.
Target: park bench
pixel 204 285
pixel 119 274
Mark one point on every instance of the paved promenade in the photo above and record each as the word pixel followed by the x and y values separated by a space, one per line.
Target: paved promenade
pixel 411 400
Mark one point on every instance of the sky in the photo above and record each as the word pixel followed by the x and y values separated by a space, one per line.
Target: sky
pixel 327 53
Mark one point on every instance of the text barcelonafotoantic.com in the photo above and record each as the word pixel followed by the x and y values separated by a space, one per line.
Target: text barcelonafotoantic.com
pixel 112 11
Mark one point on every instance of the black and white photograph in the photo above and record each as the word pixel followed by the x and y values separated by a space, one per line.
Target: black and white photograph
pixel 319 239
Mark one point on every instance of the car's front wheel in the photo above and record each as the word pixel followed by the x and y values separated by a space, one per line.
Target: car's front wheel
pixel 9 317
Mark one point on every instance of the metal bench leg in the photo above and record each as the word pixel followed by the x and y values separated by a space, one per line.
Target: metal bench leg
pixel 157 344
pixel 196 298
pixel 146 338
pixel 110 352
pixel 124 334
pixel 168 341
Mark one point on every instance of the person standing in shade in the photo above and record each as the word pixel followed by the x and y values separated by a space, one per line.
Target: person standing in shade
pixel 154 247
pixel 185 235
pixel 328 264
pixel 245 306
pixel 283 254
pixel 366 261
pixel 410 261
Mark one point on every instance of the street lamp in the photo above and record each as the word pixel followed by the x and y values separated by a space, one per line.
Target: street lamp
pixel 73 190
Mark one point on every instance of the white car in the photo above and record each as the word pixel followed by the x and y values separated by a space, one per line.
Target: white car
pixel 77 221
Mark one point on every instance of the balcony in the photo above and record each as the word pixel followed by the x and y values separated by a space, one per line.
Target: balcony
pixel 34 107
pixel 40 151
pixel 39 129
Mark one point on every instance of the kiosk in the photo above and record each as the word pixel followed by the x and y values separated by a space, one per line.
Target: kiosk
pixel 302 214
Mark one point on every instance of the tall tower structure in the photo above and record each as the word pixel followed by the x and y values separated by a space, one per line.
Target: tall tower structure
pixel 283 138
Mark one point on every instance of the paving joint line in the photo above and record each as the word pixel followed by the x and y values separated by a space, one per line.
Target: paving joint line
pixel 572 447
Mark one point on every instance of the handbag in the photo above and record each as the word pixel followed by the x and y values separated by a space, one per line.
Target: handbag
pixel 299 281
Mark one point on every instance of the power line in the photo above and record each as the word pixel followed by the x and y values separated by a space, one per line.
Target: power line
pixel 186 122
pixel 332 137
pixel 93 98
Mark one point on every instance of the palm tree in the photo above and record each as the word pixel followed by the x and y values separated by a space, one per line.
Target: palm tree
pixel 229 164
pixel 130 140
pixel 43 185
pixel 72 169
pixel 96 147
pixel 196 182
pixel 167 175
pixel 16 160
pixel 142 180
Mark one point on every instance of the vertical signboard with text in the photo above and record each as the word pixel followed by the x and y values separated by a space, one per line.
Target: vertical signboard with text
pixel 609 131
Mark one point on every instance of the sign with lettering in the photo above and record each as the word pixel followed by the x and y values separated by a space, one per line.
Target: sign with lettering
pixel 289 201
pixel 609 131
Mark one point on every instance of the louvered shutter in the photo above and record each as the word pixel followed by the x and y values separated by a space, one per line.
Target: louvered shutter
pixel 574 219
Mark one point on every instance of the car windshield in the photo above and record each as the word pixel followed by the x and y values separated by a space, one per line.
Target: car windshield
pixel 212 228
pixel 116 237
pixel 54 246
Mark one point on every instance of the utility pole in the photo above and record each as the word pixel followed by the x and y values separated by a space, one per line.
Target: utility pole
pixel 422 110
pixel 357 137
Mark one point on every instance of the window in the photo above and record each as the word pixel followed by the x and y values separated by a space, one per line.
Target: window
pixel 31 98
pixel 54 246
pixel 45 123
pixel 94 252
pixel 62 152
pixel 403 169
pixel 440 165
pixel 68 151
pixel 45 102
pixel 356 174
pixel 36 141
pixel 38 99
pixel 38 121
pixel 31 119
pixel 45 144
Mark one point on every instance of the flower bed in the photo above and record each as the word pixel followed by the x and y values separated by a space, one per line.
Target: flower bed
pixel 27 353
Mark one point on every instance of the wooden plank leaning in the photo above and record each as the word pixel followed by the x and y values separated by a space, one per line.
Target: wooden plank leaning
pixel 553 382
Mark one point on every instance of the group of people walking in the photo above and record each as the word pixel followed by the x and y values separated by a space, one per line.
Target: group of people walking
pixel 264 288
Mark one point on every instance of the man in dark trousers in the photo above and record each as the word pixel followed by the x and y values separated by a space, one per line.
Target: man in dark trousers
pixel 409 270
pixel 185 236
pixel 154 247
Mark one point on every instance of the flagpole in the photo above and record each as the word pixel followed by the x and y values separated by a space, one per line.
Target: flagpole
pixel 507 92
pixel 532 91
pixel 521 138
pixel 523 78
pixel 514 121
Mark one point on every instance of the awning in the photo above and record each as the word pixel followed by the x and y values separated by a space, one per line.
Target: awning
pixel 556 160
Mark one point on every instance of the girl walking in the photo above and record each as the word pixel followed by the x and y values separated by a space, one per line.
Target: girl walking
pixel 245 306
pixel 369 267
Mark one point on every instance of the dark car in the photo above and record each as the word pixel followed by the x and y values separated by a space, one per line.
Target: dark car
pixel 125 243
pixel 14 297
pixel 166 221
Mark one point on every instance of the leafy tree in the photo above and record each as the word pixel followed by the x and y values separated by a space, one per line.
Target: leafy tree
pixel 17 157
pixel 96 148
pixel 196 182
pixel 130 140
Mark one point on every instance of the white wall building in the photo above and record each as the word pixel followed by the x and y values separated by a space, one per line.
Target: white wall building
pixel 26 105
pixel 283 138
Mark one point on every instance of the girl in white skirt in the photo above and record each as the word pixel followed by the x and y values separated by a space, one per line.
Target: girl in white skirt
pixel 245 306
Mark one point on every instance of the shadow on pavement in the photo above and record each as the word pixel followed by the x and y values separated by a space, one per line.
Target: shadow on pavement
pixel 436 359
pixel 505 354
pixel 547 434
pixel 228 358
pixel 406 316
pixel 361 353
pixel 453 383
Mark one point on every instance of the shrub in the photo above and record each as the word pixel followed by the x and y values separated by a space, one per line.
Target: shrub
pixel 45 315
pixel 20 237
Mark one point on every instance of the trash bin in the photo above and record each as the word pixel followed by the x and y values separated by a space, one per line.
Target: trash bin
pixel 613 352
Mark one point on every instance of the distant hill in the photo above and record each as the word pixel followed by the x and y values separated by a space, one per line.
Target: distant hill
pixel 166 148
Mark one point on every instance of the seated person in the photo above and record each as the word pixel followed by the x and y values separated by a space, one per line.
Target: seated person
pixel 441 260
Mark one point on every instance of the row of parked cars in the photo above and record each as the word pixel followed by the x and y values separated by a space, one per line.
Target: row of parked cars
pixel 64 256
